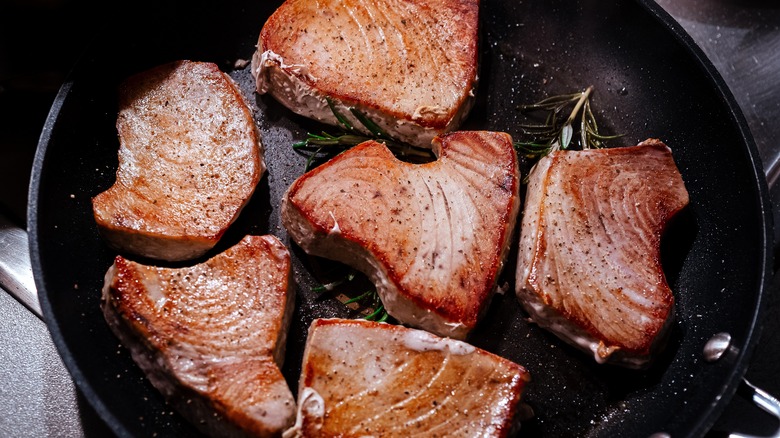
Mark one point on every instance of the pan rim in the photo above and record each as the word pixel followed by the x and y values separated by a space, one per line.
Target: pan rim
pixel 729 389
pixel 58 339
pixel 703 423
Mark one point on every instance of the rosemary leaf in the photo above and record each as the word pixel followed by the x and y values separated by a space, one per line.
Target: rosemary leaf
pixel 330 140
pixel 598 136
pixel 531 150
pixel 566 132
pixel 377 314
pixel 551 102
pixel 535 127
pixel 360 297
pixel 340 117
pixel 372 127
pixel 311 158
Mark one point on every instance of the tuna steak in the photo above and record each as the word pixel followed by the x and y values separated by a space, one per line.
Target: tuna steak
pixel 408 65
pixel 211 337
pixel 189 160
pixel 589 266
pixel 363 378
pixel 432 237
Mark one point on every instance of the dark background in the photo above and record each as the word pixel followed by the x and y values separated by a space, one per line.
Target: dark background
pixel 40 40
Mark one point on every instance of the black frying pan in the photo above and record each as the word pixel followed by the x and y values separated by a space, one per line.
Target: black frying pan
pixel 650 80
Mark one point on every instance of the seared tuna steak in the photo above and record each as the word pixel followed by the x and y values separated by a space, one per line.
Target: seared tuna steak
pixel 363 378
pixel 589 265
pixel 211 337
pixel 410 66
pixel 189 160
pixel 432 237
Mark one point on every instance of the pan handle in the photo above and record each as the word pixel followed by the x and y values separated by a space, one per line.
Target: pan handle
pixel 16 274
pixel 763 400
pixel 715 348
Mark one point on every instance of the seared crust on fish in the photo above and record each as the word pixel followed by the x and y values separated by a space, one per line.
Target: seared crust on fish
pixel 189 160
pixel 589 264
pixel 211 337
pixel 363 378
pixel 409 65
pixel 432 237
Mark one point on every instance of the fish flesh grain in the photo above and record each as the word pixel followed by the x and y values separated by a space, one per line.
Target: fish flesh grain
pixel 589 264
pixel 211 337
pixel 362 378
pixel 432 237
pixel 410 66
pixel 190 158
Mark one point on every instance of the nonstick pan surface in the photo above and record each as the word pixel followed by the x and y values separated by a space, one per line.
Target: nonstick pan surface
pixel 650 81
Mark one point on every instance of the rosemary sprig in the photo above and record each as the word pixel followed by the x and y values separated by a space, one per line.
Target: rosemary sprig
pixel 556 132
pixel 370 301
pixel 326 145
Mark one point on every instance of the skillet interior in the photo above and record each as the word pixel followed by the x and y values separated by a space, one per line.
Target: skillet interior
pixel 650 82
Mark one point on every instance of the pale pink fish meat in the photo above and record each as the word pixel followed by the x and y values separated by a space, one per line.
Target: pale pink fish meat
pixel 589 264
pixel 211 337
pixel 432 237
pixel 411 66
pixel 190 158
pixel 363 378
